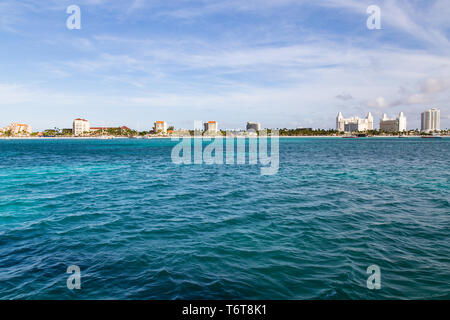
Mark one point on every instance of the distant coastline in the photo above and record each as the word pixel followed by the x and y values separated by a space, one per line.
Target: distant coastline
pixel 195 137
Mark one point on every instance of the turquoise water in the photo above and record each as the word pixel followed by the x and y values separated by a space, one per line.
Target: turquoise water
pixel 141 227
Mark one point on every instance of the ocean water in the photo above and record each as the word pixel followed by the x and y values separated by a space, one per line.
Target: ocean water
pixel 141 227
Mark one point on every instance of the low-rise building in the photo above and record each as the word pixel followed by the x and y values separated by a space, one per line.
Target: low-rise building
pixel 160 127
pixel 393 124
pixel 17 129
pixel 81 126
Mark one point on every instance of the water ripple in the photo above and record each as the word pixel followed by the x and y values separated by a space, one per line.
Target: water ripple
pixel 141 227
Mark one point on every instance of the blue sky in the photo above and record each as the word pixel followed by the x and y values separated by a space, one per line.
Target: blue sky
pixel 284 63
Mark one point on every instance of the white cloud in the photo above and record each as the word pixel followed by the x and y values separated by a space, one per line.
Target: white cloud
pixel 344 96
pixel 14 93
pixel 434 85
pixel 378 103
pixel 294 80
pixel 416 99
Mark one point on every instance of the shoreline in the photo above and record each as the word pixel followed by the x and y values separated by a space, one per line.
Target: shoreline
pixel 197 137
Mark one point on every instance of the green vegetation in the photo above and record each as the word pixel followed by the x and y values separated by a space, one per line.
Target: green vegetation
pixel 285 132
pixel 67 132
pixel 51 133
pixel 124 132
pixel 307 132
pixel 55 132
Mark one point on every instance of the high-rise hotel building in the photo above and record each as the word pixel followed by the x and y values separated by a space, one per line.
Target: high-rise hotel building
pixel 431 120
pixel 393 125
pixel 354 124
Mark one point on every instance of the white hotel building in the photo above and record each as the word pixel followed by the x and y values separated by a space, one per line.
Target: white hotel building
pixel 393 125
pixel 81 126
pixel 431 120
pixel 354 124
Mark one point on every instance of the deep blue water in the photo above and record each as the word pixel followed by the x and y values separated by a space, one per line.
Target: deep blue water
pixel 141 227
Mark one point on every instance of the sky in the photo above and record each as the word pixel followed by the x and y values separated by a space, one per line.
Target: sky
pixel 283 63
